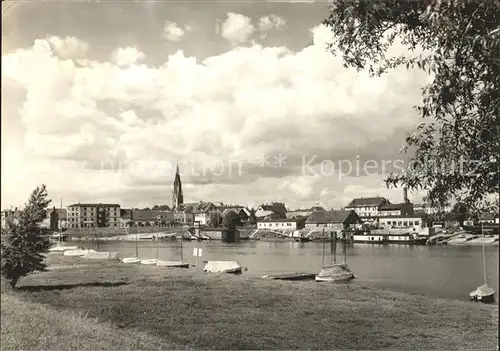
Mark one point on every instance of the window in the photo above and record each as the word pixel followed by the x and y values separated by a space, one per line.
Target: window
pixel 405 223
pixel 417 222
pixel 410 223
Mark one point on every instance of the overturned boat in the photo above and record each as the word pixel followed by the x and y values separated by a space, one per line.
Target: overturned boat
pixel 222 267
pixel 131 260
pixel 335 273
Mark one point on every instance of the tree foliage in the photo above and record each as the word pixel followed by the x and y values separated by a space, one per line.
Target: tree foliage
pixel 23 246
pixel 102 216
pixel 252 218
pixel 231 220
pixel 454 151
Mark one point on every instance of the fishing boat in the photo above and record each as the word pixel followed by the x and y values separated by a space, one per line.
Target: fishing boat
pixel 483 293
pixel 151 261
pixel 335 272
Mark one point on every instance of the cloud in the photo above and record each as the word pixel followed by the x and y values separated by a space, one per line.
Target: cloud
pixel 269 22
pixel 173 32
pixel 105 128
pixel 127 56
pixel 236 28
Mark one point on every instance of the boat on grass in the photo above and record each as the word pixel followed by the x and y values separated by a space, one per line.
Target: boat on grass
pixel 335 273
pixel 131 260
pixel 151 261
pixel 222 267
pixel 483 294
pixel 172 264
pixel 60 248
pixel 291 276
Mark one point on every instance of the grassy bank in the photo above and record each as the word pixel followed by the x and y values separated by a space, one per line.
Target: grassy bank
pixel 144 307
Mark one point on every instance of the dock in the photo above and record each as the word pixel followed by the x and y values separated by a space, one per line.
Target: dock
pixel 292 276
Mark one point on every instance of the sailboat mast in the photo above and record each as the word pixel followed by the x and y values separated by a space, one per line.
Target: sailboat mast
pixel 484 257
pixel 323 256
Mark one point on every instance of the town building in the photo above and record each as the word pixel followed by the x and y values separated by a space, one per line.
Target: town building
pixel 207 213
pixel 303 212
pixel 333 220
pixel 487 218
pixel 414 222
pixel 367 207
pixel 275 209
pixel 395 209
pixel 431 210
pixel 243 212
pixel 146 218
pixel 6 215
pixel 94 215
pixel 281 223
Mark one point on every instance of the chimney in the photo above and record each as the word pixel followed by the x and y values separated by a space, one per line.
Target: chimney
pixel 405 195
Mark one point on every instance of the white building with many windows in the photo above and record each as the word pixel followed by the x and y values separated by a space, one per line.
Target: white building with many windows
pixel 93 215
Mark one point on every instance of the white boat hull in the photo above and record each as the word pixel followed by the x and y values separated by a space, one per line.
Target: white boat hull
pixel 222 267
pixel 150 261
pixel 341 278
pixel 131 260
pixel 335 273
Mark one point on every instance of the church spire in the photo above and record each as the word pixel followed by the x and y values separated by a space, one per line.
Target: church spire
pixel 177 196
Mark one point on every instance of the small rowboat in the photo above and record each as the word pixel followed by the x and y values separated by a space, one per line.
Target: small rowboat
pixel 335 273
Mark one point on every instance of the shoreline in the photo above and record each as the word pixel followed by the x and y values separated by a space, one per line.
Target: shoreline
pixel 180 308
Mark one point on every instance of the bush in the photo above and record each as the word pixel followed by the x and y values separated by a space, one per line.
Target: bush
pixel 23 244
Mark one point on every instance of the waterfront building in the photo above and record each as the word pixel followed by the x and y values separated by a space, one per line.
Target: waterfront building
pixel 146 218
pixel 303 212
pixel 277 209
pixel 333 220
pixel 240 210
pixel 206 213
pixel 367 207
pixel 281 223
pixel 487 218
pixel 409 222
pixel 395 209
pixel 94 215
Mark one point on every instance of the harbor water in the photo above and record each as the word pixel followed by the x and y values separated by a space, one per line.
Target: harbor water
pixel 437 271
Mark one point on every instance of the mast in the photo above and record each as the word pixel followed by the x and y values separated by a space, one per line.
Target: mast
pixel 484 257
pixel 323 256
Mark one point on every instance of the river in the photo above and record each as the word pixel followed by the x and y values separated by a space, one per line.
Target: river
pixel 438 271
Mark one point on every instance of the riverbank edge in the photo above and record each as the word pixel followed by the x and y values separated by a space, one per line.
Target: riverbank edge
pixel 435 322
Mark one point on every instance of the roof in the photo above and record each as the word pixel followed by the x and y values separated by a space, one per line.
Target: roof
pixel 94 205
pixel 143 215
pixel 312 209
pixel 275 207
pixel 486 216
pixel 413 215
pixel 368 201
pixel 277 220
pixel 235 209
pixel 204 207
pixel 328 217
pixel 391 207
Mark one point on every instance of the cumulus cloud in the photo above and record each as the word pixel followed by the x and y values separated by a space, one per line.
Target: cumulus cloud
pixel 236 28
pixel 226 118
pixel 269 22
pixel 127 56
pixel 173 32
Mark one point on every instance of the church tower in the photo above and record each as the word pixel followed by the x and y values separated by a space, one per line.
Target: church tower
pixel 177 197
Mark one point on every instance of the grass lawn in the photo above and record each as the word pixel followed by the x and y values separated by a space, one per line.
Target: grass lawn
pixel 86 304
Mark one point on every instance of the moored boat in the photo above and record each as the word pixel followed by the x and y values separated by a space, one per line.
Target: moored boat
pixel 483 294
pixel 335 273
pixel 131 260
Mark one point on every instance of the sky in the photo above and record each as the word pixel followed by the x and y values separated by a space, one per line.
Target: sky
pixel 101 100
